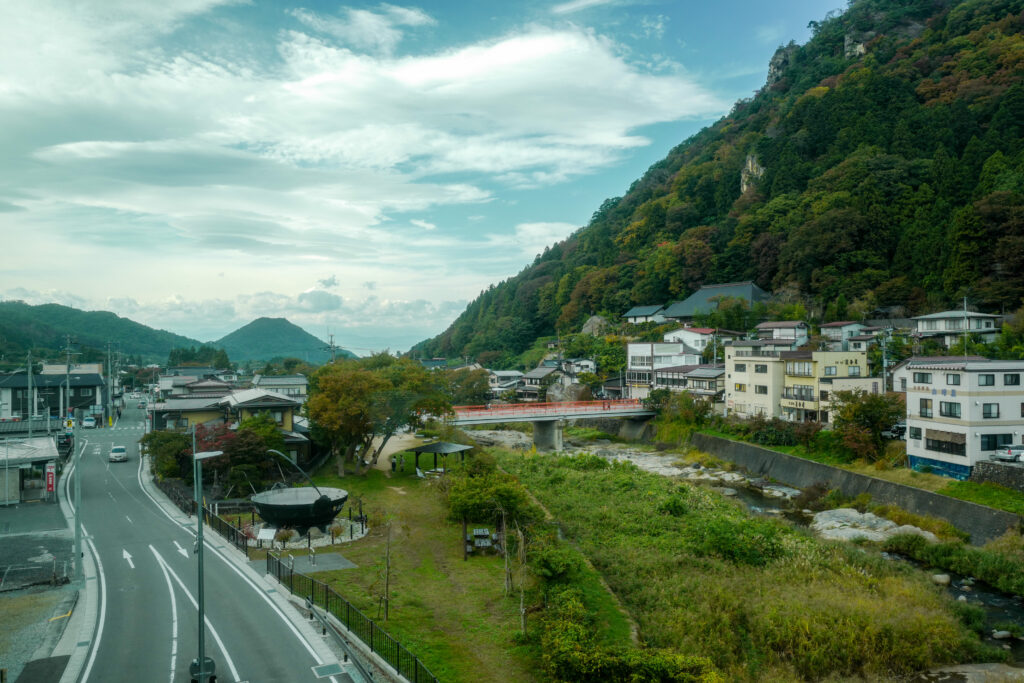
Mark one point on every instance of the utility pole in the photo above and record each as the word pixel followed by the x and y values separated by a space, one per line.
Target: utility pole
pixel 966 326
pixel 110 388
pixel 31 398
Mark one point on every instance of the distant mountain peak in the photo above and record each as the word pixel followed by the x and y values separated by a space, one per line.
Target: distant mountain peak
pixel 266 338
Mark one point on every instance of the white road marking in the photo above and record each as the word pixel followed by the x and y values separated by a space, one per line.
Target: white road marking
pixel 128 557
pixel 181 550
pixel 206 619
pixel 129 519
pixel 174 613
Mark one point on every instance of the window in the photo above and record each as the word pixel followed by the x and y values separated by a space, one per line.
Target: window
pixel 922 378
pixel 990 442
pixel 915 433
pixel 945 447
pixel 926 407
pixel 740 387
pixel 741 367
pixel 761 368
pixel 986 380
pixel 990 410
pixel 760 389
pixel 952 379
pixel 799 368
pixel 84 391
pixel 949 409
pixel 853 371
pixel 903 383
pixel 1011 380
pixel 822 395
pixel 830 371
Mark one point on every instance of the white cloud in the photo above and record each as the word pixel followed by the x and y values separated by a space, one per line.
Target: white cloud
pixel 533 237
pixel 363 29
pixel 317 301
pixel 769 34
pixel 577 5
pixel 423 224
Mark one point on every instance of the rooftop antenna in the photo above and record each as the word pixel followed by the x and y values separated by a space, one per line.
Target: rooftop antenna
pixel 332 348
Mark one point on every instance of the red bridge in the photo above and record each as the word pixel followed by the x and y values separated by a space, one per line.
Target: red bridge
pixel 547 417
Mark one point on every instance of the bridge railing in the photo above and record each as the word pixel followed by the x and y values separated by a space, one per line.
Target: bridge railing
pixel 543 409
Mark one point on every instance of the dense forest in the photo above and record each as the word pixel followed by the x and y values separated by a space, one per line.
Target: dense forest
pixel 44 328
pixel 881 165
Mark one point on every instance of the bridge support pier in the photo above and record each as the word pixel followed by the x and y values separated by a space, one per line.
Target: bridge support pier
pixel 633 429
pixel 547 435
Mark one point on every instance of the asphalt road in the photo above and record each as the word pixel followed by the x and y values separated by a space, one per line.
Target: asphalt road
pixel 147 622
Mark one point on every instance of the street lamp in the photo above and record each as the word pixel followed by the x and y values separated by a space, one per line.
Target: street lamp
pixel 202 667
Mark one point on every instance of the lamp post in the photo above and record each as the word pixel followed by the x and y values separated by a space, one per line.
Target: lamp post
pixel 202 667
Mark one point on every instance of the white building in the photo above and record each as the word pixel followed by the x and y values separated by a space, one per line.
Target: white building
pixel 500 381
pixel 643 358
pixel 295 387
pixel 948 326
pixel 840 333
pixel 795 331
pixel 900 372
pixel 700 338
pixel 959 413
pixel 645 314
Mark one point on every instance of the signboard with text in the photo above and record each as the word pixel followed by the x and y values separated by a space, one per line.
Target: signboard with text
pixel 51 476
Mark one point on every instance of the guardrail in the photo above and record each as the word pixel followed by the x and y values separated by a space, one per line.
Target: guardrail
pixel 187 504
pixel 357 623
pixel 544 409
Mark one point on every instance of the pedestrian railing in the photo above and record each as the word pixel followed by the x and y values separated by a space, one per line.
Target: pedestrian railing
pixel 357 623
pixel 187 504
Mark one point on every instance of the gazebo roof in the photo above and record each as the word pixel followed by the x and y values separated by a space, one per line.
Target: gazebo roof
pixel 443 447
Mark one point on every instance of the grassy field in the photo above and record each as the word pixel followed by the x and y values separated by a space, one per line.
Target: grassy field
pixel 765 602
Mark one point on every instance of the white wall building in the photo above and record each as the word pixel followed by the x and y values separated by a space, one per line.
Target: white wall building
pixel 642 358
pixel 795 331
pixel 948 326
pixel 959 413
pixel 754 378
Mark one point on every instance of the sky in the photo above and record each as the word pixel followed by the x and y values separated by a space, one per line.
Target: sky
pixel 364 170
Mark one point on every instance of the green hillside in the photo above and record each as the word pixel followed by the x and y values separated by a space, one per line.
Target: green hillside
pixel 884 167
pixel 43 329
pixel 268 338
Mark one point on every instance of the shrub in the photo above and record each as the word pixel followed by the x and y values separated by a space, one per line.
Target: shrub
pixel 753 541
pixel 555 564
pixel 586 462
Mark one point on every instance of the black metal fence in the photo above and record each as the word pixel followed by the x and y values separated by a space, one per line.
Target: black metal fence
pixel 357 623
pixel 180 497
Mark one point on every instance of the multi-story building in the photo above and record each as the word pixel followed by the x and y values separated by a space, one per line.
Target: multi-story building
pixel 643 358
pixel 808 381
pixel 960 412
pixel 754 377
pixel 840 333
pixel 706 381
pixel 949 326
pixel 793 331
pixel 294 387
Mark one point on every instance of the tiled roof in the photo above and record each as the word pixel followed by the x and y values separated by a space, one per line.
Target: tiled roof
pixel 844 323
pixel 643 311
pixel 955 314
pixel 701 300
pixel 780 324
pixel 20 380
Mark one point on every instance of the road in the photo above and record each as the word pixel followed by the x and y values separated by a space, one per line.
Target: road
pixel 147 621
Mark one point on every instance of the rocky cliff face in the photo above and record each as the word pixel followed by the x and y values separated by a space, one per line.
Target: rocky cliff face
pixel 779 62
pixel 750 172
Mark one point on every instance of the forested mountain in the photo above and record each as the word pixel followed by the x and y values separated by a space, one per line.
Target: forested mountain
pixel 43 329
pixel 269 338
pixel 882 163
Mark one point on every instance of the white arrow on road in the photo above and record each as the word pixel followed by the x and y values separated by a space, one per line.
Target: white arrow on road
pixel 129 558
pixel 180 549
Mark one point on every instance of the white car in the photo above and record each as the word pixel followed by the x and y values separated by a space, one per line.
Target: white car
pixel 118 454
pixel 88 423
pixel 1009 453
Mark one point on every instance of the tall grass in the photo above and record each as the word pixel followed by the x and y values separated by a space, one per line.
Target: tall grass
pixel 761 600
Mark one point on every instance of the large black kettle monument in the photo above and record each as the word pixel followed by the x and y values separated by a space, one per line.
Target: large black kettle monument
pixel 299 508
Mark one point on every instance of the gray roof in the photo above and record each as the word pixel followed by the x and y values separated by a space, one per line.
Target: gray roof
pixel 280 380
pixel 444 447
pixel 19 380
pixel 539 373
pixel 843 323
pixel 257 397
pixel 701 301
pixel 642 311
pixel 955 314
pixel 191 403
pixel 781 324
pixel 706 372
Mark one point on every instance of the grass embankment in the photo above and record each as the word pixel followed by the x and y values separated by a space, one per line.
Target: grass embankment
pixel 451 614
pixel 763 601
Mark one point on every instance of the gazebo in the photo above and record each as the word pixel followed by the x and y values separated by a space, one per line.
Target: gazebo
pixel 439 448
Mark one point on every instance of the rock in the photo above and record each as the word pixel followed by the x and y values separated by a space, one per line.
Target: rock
pixel 733 477
pixel 961 598
pixel 940 579
pixel 1001 635
pixel 965 589
pixel 727 491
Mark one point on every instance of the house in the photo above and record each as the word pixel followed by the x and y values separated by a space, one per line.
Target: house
pixel 645 314
pixel 706 381
pixel 643 358
pixel 501 381
pixel 434 363
pixel 293 386
pixel 208 387
pixel 88 395
pixel 948 327
pixel 76 368
pixel 705 299
pixel 838 334
pixel 701 337
pixel 533 383
pixel 808 381
pixel 901 372
pixel 795 331
pixel 23 465
pixel 572 368
pixel 960 412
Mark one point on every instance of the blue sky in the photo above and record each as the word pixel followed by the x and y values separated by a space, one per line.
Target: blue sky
pixel 362 169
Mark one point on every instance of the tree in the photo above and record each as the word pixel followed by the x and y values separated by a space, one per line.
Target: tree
pixel 860 418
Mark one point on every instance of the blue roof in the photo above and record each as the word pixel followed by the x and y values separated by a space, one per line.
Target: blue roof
pixel 702 301
pixel 643 311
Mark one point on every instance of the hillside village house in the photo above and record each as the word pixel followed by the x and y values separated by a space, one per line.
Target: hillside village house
pixel 643 358
pixel 645 314
pixel 706 381
pixel 960 412
pixel 754 378
pixel 795 331
pixel 901 372
pixel 501 381
pixel 948 327
pixel 533 382
pixel 706 299
pixel 700 338
pixel 838 334
pixel 293 386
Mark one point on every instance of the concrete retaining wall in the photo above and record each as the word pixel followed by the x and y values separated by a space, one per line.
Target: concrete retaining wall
pixel 1005 474
pixel 981 522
